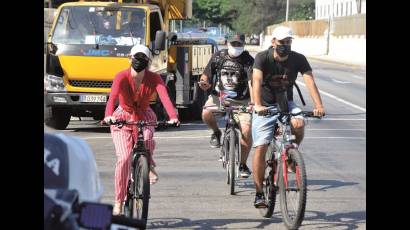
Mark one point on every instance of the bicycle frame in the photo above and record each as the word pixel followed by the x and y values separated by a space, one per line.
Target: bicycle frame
pixel 139 148
pixel 230 122
pixel 282 141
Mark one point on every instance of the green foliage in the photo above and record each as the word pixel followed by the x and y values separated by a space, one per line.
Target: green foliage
pixel 302 11
pixel 249 16
pixel 213 12
pixel 255 15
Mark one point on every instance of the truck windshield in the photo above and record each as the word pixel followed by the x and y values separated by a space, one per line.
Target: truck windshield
pixel 99 25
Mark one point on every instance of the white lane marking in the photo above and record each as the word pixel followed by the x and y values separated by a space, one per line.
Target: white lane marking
pixel 357 77
pixel 200 137
pixel 337 98
pixel 338 129
pixel 341 82
pixel 338 119
pixel 352 138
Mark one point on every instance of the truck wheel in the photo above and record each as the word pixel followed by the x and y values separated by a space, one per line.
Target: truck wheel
pixel 59 118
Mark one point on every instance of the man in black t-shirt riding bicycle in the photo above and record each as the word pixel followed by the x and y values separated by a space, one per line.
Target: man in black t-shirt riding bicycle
pixel 274 74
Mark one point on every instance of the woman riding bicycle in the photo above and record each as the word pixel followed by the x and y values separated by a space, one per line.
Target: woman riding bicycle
pixel 134 88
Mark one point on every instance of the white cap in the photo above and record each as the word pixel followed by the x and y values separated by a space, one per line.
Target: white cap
pixel 140 49
pixel 282 32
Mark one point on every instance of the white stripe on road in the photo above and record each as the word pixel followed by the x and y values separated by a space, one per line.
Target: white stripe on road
pixel 339 129
pixel 200 137
pixel 357 77
pixel 341 82
pixel 338 119
pixel 337 98
pixel 353 138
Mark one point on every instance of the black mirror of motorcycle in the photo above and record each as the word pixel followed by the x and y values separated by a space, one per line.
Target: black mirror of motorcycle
pixel 95 215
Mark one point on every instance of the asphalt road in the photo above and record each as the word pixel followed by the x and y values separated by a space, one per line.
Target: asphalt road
pixel 192 192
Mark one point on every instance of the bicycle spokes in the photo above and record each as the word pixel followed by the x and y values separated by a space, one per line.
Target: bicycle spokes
pixel 293 190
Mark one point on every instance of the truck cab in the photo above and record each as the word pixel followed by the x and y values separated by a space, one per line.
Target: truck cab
pixel 89 43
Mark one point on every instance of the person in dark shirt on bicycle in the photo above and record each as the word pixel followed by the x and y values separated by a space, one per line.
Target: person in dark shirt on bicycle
pixel 274 68
pixel 233 67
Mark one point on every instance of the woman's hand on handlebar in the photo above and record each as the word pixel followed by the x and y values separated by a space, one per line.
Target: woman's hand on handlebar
pixel 109 120
pixel 174 121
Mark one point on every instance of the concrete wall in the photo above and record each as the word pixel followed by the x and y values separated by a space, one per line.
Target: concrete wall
pixel 347 49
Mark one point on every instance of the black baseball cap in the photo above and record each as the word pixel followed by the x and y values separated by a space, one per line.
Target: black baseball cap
pixel 237 37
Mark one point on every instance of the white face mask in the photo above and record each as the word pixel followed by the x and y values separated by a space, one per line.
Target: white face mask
pixel 234 51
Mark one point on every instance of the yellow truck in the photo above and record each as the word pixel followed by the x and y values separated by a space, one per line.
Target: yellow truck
pixel 89 43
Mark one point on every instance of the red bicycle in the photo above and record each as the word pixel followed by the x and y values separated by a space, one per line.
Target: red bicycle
pixel 285 172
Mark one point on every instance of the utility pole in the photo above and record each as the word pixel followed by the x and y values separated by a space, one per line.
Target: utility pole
pixel 287 9
pixel 359 8
pixel 330 24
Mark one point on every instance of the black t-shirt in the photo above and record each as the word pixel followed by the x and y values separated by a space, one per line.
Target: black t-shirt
pixel 232 74
pixel 273 69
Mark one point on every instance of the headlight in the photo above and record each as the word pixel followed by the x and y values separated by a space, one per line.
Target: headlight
pixel 53 83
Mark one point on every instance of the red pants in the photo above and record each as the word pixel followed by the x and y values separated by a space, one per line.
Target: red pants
pixel 124 140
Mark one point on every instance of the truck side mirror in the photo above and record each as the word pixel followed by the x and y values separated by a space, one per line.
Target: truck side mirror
pixel 159 41
pixel 172 37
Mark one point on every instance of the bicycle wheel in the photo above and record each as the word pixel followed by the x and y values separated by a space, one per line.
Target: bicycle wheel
pixel 232 151
pixel 136 205
pixel 237 153
pixel 225 157
pixel 268 184
pixel 293 197
pixel 224 151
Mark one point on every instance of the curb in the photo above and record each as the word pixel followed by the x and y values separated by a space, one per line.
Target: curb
pixel 332 61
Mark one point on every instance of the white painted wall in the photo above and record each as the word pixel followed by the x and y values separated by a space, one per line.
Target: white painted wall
pixel 346 49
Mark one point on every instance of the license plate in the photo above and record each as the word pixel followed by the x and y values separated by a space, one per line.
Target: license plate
pixel 93 98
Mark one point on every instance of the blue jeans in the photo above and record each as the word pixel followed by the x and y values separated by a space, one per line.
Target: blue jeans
pixel 263 126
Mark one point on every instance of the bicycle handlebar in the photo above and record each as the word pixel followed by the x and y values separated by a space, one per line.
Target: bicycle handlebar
pixel 141 123
pixel 223 109
pixel 303 113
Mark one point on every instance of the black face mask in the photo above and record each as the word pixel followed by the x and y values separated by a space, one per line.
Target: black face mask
pixel 283 50
pixel 138 64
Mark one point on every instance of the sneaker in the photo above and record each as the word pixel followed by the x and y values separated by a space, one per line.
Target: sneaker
pixel 244 171
pixel 260 201
pixel 216 140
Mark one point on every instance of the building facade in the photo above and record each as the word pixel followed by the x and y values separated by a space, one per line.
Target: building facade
pixel 338 8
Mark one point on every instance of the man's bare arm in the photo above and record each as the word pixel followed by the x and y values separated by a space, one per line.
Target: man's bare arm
pixel 257 78
pixel 314 93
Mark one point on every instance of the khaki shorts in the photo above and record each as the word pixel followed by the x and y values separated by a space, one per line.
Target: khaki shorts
pixel 240 117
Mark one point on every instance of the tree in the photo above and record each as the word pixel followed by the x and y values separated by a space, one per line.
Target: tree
pixel 302 10
pixel 214 12
pixel 255 15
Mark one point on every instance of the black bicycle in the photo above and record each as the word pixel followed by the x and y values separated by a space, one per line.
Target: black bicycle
pixel 230 149
pixel 138 188
pixel 285 172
